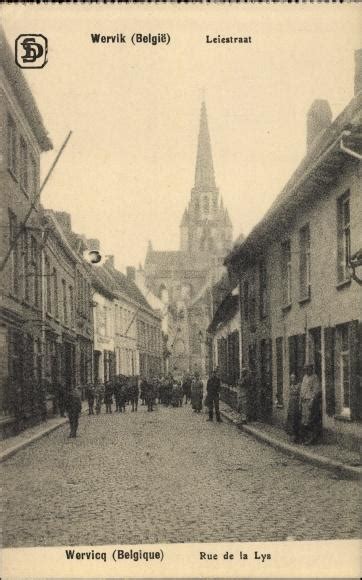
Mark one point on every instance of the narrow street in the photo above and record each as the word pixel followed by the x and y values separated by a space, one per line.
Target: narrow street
pixel 168 476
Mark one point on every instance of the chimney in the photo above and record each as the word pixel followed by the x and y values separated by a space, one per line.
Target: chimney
pixel 109 261
pixel 357 71
pixel 319 117
pixel 131 273
pixel 93 244
pixel 64 220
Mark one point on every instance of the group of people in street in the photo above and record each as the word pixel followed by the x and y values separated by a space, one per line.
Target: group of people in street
pixel 304 418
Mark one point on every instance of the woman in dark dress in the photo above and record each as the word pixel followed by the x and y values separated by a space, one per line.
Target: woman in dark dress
pixel 293 416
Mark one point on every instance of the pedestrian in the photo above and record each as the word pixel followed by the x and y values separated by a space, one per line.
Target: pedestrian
pixel 186 388
pixel 123 397
pixel 99 395
pixel 213 395
pixel 90 393
pixel 149 394
pixel 108 396
pixel 292 426
pixel 143 390
pixel 168 389
pixel 310 406
pixel 133 391
pixel 74 408
pixel 197 390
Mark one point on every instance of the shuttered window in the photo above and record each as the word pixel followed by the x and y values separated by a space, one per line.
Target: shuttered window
pixel 304 263
pixel 279 369
pixel 343 237
pixel 286 273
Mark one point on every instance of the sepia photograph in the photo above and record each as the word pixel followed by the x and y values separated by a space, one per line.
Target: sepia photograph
pixel 180 289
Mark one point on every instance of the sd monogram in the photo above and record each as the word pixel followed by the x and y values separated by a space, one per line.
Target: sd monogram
pixel 31 50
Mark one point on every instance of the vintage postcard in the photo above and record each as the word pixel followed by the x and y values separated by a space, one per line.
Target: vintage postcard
pixel 180 282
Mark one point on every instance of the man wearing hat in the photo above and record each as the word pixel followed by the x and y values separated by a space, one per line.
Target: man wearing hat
pixel 310 406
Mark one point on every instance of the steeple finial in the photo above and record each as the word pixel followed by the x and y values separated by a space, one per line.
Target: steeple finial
pixel 204 173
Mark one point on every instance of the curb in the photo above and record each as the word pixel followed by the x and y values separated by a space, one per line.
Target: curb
pixel 13 450
pixel 318 460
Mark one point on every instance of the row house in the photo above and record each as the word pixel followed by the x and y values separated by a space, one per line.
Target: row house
pixel 103 297
pixel 141 327
pixel 299 301
pixel 23 138
pixel 68 316
pixel 225 336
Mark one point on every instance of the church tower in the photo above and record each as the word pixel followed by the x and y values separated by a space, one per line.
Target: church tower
pixel 205 226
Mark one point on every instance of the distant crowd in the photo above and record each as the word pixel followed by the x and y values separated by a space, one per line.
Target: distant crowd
pixel 122 392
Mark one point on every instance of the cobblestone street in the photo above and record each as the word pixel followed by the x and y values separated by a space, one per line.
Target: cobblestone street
pixel 168 476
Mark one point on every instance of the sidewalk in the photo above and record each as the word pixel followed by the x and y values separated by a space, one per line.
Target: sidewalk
pixel 329 456
pixel 12 445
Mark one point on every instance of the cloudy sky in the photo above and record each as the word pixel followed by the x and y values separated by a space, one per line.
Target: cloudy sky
pixel 127 172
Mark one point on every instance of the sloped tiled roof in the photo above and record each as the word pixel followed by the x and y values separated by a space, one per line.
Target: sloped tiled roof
pixel 103 282
pixel 225 312
pixel 128 287
pixel 164 259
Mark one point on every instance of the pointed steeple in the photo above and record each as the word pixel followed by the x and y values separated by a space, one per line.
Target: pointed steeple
pixel 204 172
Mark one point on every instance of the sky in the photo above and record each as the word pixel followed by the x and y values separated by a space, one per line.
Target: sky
pixel 128 169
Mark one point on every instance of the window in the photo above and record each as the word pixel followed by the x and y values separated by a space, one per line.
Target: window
pixel 23 164
pixel 32 177
pixel 48 286
pixel 13 224
pixel 64 299
pixel 105 319
pixel 71 305
pixel 262 290
pixel 36 270
pixel 26 267
pixel 233 358
pixel 252 302
pixel 55 293
pixel 246 299
pixel 206 204
pixel 304 262
pixel 279 369
pixel 12 146
pixel 343 237
pixel 286 277
pixel 343 362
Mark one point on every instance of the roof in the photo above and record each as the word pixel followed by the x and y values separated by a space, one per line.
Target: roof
pixel 103 282
pixel 318 169
pixel 164 259
pixel 225 312
pixel 23 93
pixel 128 287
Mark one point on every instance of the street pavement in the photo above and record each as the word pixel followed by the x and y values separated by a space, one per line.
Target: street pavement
pixel 168 476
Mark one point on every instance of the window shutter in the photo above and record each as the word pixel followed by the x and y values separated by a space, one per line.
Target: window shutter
pixel 329 360
pixel 356 369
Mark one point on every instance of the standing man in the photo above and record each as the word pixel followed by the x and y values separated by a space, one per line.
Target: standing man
pixel 213 394
pixel 90 398
pixel 74 408
pixel 310 406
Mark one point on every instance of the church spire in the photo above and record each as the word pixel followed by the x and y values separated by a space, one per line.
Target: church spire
pixel 204 172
